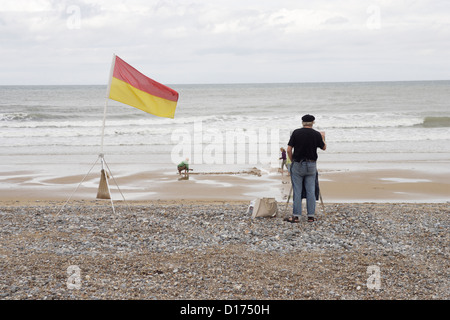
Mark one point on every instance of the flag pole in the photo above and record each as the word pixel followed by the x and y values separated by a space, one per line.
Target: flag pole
pixel 108 89
pixel 103 188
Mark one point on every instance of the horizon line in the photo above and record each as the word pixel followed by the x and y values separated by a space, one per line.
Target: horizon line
pixel 245 83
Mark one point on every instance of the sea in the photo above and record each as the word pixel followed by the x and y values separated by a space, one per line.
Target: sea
pixel 222 127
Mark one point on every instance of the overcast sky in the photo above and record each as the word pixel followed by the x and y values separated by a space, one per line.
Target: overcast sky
pixel 224 41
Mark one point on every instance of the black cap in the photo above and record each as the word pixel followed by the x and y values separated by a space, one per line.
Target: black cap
pixel 308 118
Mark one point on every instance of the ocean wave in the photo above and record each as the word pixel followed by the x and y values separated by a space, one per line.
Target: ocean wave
pixel 368 120
pixel 38 119
pixel 436 122
pixel 19 116
pixel 326 121
pixel 49 124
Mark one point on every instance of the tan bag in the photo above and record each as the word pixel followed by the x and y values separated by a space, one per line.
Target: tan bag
pixel 265 207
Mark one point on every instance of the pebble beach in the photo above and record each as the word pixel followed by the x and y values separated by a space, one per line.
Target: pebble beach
pixel 209 250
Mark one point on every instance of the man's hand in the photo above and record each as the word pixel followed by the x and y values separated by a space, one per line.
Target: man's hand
pixel 323 138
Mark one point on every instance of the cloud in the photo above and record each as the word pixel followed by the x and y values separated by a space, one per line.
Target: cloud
pixel 177 41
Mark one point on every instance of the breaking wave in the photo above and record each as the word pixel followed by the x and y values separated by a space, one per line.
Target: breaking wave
pixel 436 122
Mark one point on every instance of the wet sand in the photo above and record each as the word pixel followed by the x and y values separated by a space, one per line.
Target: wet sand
pixel 349 185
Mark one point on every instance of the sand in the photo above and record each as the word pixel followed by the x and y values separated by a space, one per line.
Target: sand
pixel 337 185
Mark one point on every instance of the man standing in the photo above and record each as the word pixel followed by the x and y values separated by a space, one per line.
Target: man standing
pixel 305 142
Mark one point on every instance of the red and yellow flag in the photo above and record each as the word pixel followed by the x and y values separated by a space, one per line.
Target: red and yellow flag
pixel 131 87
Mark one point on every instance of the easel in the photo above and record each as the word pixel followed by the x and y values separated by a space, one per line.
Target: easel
pixel 103 191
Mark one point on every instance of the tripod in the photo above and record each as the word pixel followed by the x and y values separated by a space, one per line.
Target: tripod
pixel 103 191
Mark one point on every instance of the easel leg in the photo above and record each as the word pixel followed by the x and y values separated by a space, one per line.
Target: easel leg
pixel 321 201
pixel 287 202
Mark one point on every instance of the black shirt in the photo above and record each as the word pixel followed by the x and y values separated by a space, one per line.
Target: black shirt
pixel 305 142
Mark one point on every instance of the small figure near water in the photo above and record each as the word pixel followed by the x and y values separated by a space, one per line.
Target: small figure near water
pixel 286 162
pixel 184 165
